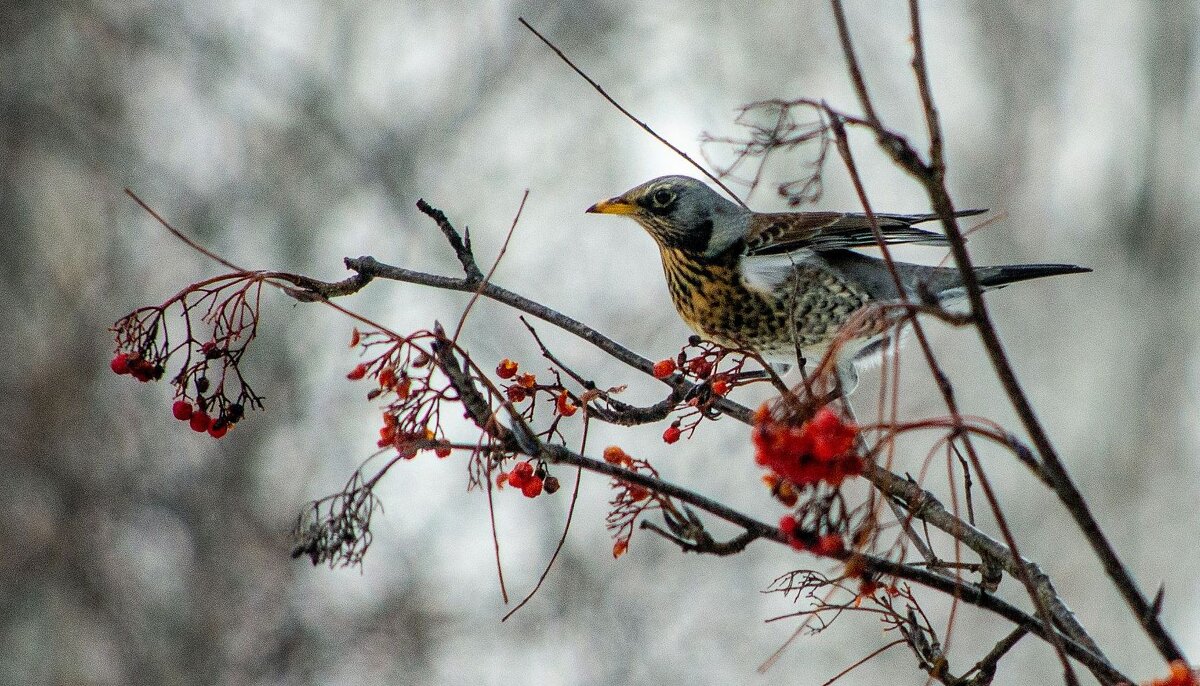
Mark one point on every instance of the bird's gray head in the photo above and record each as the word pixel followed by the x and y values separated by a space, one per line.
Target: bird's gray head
pixel 682 213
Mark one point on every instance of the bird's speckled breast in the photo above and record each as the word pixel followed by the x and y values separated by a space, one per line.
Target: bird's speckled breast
pixel 714 300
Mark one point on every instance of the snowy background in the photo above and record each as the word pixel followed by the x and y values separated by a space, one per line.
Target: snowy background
pixel 287 135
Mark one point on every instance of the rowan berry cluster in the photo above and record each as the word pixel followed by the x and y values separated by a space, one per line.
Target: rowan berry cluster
pixel 531 481
pixel 226 307
pixel 404 376
pixel 819 450
pixel 522 387
pixel 631 500
pixel 714 369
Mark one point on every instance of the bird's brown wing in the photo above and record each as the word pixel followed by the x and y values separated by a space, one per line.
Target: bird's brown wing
pixel 785 232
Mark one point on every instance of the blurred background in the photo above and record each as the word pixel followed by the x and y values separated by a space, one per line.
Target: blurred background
pixel 287 135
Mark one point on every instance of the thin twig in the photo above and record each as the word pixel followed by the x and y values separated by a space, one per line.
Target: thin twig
pixel 644 126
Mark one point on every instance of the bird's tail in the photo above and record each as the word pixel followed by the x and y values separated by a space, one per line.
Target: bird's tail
pixel 1002 275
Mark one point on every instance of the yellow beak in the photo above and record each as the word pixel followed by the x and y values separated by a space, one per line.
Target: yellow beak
pixel 617 205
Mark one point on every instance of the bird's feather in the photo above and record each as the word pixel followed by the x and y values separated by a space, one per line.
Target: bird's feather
pixel 781 233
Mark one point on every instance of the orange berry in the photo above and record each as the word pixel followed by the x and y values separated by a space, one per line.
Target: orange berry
pixel 507 369
pixel 533 487
pixel 615 455
pixel 664 368
pixel 720 386
pixel 357 373
pixel 829 545
pixel 387 377
pixel 527 380
pixel 564 405
pixel 672 434
pixel 619 548
pixel 521 473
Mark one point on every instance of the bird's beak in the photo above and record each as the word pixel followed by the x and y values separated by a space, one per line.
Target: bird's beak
pixel 617 205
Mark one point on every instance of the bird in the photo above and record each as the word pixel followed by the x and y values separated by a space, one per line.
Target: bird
pixel 783 284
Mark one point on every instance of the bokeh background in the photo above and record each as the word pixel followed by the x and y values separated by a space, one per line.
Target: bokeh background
pixel 287 135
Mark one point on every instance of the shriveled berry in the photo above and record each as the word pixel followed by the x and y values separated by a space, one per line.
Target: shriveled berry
pixel 442 451
pixel 515 394
pixel 551 484
pixel 615 455
pixel 182 410
pixel 507 369
pixel 564 405
pixel 700 367
pixel 357 373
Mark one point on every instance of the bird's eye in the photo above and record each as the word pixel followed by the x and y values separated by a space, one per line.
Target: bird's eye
pixel 663 197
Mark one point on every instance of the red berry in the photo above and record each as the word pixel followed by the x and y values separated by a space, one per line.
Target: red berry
pixel 442 451
pixel 200 422
pixel 507 369
pixel 829 544
pixel 357 373
pixel 533 487
pixel 672 434
pixel 120 363
pixel 515 394
pixel 217 431
pixel 521 473
pixel 182 410
pixel 664 368
pixel 787 524
pixel 700 368
pixel 720 386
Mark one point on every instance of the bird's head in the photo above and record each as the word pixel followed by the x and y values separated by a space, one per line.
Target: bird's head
pixel 682 213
